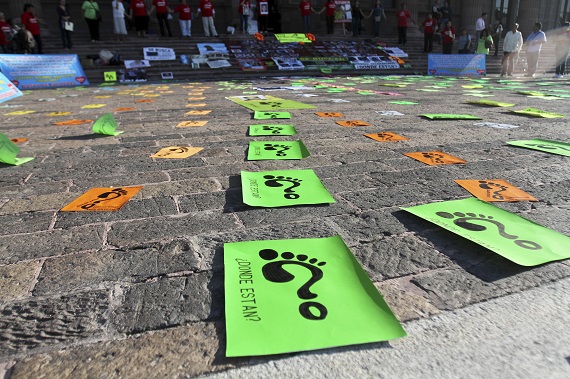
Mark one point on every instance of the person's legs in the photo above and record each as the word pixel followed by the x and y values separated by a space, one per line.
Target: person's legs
pixel 38 39
pixel 430 43
pixel 68 39
pixel 330 24
pixel 306 24
pixel 91 26
pixel 206 26
pixel 532 62
pixel 405 34
pixel 212 26
pixel 400 34
pixel 63 37
pixel 510 64
pixel 167 23
pixel 504 62
pixel 497 39
pixel 354 27
pixel 160 17
pixel 426 39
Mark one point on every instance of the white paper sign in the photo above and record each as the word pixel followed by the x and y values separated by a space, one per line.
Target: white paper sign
pixel 159 54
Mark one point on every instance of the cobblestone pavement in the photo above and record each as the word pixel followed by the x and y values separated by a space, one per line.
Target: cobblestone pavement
pixel 138 293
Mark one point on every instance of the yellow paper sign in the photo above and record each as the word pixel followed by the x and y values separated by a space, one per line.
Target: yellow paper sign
pixel 434 158
pixel 72 122
pixel 349 123
pixel 195 93
pixel 495 190
pixel 57 114
pixel 196 98
pixel 191 105
pixel 329 114
pixel 102 97
pixel 185 124
pixel 177 152
pixel 197 113
pixel 110 76
pixel 102 199
pixel 19 113
pixel 386 137
pixel 93 106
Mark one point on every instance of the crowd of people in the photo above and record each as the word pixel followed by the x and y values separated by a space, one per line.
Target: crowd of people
pixel 437 27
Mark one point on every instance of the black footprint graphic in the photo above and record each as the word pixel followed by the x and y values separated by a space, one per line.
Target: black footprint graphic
pixel 281 149
pixel 463 220
pixel 273 181
pixel 105 196
pixel 386 136
pixel 490 186
pixel 273 129
pixel 435 158
pixel 274 272
pixel 548 147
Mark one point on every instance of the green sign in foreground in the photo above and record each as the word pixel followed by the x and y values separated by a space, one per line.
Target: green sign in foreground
pixel 283 188
pixel 257 115
pixel 272 130
pixel 515 238
pixel 548 146
pixel 9 151
pixel 106 125
pixel 301 294
pixel 273 150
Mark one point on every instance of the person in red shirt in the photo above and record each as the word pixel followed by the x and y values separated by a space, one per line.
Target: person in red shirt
pixel 305 8
pixel 244 12
pixel 448 36
pixel 5 30
pixel 138 10
pixel 329 9
pixel 162 11
pixel 262 15
pixel 430 25
pixel 403 16
pixel 184 18
pixel 208 13
pixel 32 24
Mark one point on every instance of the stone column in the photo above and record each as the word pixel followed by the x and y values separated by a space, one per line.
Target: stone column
pixel 529 13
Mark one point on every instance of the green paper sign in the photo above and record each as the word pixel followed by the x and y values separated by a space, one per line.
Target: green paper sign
pixel 553 147
pixel 490 103
pixel 272 130
pixel 9 151
pixel 268 103
pixel 538 113
pixel 515 238
pixel 106 125
pixel 283 188
pixel 271 115
pixel 292 38
pixel 276 150
pixel 302 294
pixel 450 117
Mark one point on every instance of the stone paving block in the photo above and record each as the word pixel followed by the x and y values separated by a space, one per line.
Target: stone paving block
pixel 180 188
pixel 209 171
pixel 132 179
pixel 164 228
pixel 406 300
pixel 170 302
pixel 398 256
pixel 341 170
pixel 16 280
pixel 19 191
pixel 133 209
pixel 349 183
pixel 209 201
pixel 181 352
pixel 48 244
pixel 28 222
pixel 40 322
pixel 38 203
pixel 556 194
pixel 92 269
pixel 553 217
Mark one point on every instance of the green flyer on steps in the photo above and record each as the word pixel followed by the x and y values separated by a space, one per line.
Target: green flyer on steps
pixel 106 125
pixel 515 238
pixel 271 130
pixel 302 294
pixel 276 150
pixel 548 146
pixel 283 188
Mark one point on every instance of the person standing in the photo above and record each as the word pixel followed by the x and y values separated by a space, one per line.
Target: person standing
pixel 479 27
pixel 464 42
pixel 244 12
pixel 378 12
pixel 357 17
pixel 262 15
pixel 436 13
pixel 497 34
pixel 305 9
pixel 119 27
pixel 32 24
pixel 63 15
pixel 184 18
pixel 511 46
pixel 206 8
pixel 448 36
pixel 138 10
pixel 562 50
pixel 330 9
pixel 162 12
pixel 485 43
pixel 5 30
pixel 534 41
pixel 90 13
pixel 403 15
pixel 446 14
pixel 429 25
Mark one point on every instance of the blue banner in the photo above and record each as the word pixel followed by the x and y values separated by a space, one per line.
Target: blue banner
pixel 457 64
pixel 29 71
pixel 7 89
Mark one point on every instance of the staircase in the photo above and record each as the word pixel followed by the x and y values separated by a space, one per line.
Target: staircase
pixel 132 49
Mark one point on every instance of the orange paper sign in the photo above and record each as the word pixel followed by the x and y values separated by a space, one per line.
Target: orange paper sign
pixel 185 124
pixel 386 137
pixel 72 122
pixel 125 109
pixel 144 101
pixel 19 140
pixel 329 114
pixel 196 98
pixel 197 113
pixel 352 123
pixel 102 199
pixel 179 152
pixel 495 190
pixel 434 158
pixel 195 105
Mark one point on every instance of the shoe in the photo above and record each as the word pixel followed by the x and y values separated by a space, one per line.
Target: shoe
pixel 509 74
pixel 216 36
pixel 557 76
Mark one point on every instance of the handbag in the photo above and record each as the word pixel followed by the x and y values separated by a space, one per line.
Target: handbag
pixel 488 44
pixel 98 15
pixel 68 25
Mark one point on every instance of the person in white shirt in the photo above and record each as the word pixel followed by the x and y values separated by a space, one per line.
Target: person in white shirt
pixel 479 27
pixel 511 46
pixel 119 19
pixel 534 45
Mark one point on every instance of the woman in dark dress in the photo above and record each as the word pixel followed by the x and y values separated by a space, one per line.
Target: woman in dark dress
pixel 63 14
